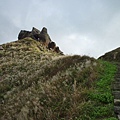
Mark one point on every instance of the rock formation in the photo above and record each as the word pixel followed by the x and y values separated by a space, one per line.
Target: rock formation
pixel 1 48
pixel 51 45
pixel 41 36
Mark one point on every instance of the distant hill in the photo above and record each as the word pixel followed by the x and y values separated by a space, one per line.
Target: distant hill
pixel 37 83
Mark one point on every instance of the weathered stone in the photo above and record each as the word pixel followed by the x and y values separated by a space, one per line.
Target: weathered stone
pixel 35 31
pixel 116 86
pixel 117 79
pixel 118 117
pixel 57 49
pixel 117 109
pixel 51 45
pixel 23 34
pixel 1 48
pixel 117 102
pixel 42 36
pixel 44 30
pixel 116 94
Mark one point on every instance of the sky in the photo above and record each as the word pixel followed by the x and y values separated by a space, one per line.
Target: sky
pixel 83 27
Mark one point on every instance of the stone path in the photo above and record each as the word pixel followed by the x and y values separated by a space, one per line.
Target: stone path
pixel 116 93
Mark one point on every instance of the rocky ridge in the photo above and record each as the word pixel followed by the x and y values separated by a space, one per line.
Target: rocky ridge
pixel 112 56
pixel 41 36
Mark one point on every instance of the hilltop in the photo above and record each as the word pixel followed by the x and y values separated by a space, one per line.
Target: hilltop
pixel 38 83
pixel 41 36
pixel 112 56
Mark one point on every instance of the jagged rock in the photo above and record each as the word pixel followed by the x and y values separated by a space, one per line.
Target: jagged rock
pixel 23 34
pixel 57 49
pixel 51 45
pixel 41 36
pixel 117 109
pixel 36 34
pixel 44 37
pixel 35 31
pixel 44 30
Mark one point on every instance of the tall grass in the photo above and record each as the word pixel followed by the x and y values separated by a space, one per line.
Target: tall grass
pixel 35 86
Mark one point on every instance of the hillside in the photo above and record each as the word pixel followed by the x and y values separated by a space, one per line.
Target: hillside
pixel 37 83
pixel 112 56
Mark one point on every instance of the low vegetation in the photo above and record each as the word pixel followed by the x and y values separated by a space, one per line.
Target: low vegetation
pixel 39 84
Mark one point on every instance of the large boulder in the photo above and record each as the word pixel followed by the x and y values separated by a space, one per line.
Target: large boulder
pixel 57 49
pixel 51 45
pixel 33 34
pixel 36 34
pixel 44 37
pixel 23 34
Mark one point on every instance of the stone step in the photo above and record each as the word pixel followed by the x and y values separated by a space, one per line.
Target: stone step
pixel 116 94
pixel 117 109
pixel 117 74
pixel 118 117
pixel 116 86
pixel 117 102
pixel 118 69
pixel 117 79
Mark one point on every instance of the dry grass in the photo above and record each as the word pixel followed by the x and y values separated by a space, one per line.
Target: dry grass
pixel 34 85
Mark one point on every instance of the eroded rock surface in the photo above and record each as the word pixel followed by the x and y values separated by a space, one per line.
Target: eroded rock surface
pixel 41 36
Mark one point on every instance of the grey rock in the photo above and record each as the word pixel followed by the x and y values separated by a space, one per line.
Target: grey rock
pixel 117 109
pixel 44 37
pixel 35 31
pixel 116 94
pixel 117 79
pixel 51 45
pixel 116 86
pixel 41 36
pixel 118 117
pixel 57 50
pixel 23 34
pixel 117 102
pixel 1 48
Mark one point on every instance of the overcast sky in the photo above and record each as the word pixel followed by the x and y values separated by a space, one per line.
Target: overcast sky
pixel 84 27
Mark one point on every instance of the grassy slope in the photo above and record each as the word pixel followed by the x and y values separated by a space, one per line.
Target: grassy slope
pixel 38 84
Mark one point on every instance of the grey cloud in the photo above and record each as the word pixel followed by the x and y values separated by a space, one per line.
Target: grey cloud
pixel 93 23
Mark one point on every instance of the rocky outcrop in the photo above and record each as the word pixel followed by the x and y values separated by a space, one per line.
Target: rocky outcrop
pixel 35 34
pixel 111 56
pixel 51 45
pixel 44 37
pixel 41 36
pixel 1 48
